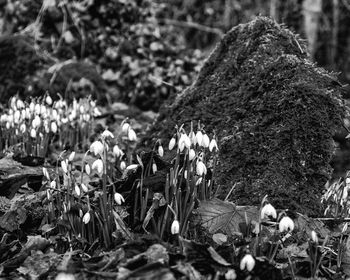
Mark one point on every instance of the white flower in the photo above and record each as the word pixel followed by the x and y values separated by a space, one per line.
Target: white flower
pixel 191 154
pixel 96 148
pixel 87 169
pixel 201 168
pixel 125 127
pixel 132 135
pixel 64 276
pixel 286 224
pixel 46 173
pixel 36 122
pixel 122 165
pixel 314 237
pixel 172 143
pixel 48 100
pixel 117 151
pixel 53 184
pixel 160 151
pixel 154 167
pixel 86 218
pixel 132 166
pixel 247 262
pixel 84 187
pixel 20 104
pixel 64 166
pixel 37 109
pixel 193 138
pixel 205 141
pixel 268 210
pixel 119 199
pixel 199 181
pixel 77 189
pixel 184 142
pixel 54 127
pixel 230 274
pixel 107 133
pixel 98 165
pixel 33 133
pixel 175 227
pixel 199 137
pixel 71 156
pixel 23 128
pixel 213 145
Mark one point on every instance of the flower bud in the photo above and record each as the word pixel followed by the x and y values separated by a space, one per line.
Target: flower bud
pixel 154 167
pixel 205 141
pixel 160 151
pixel 191 154
pixel 122 165
pixel 117 151
pixel 175 227
pixel 172 143
pixel 119 199
pixel 77 190
pixel 87 169
pixel 286 224
pixel 48 100
pixel 199 137
pixel 125 127
pixel 248 262
pixel 84 188
pixel 23 128
pixel 54 127
pixel 64 166
pixel 213 145
pixel 314 237
pixel 46 173
pixel 86 218
pixel 132 166
pixel 71 156
pixel 132 135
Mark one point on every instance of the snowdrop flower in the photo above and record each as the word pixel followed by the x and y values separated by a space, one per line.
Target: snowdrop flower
pixel 213 145
pixel 32 106
pixel 286 224
pixel 230 274
pixel 132 166
pixel 184 142
pixel 64 166
pixel 54 127
pixel 86 218
pixel 87 169
pixel 122 165
pixel 119 199
pixel 71 156
pixel 268 210
pixel 205 141
pixel 125 127
pixel 77 189
pixel 98 165
pixel 199 137
pixel 314 237
pixel 107 133
pixel 132 135
pixel 84 187
pixel 46 173
pixel 117 151
pixel 199 181
pixel 37 109
pixel 64 276
pixel 48 100
pixel 20 104
pixel 201 168
pixel 191 154
pixel 160 151
pixel 193 138
pixel 175 227
pixel 96 148
pixel 53 184
pixel 22 128
pixel 172 143
pixel 36 122
pixel 33 133
pixel 154 167
pixel 247 262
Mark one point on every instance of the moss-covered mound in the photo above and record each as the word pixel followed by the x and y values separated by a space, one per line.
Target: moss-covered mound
pixel 274 111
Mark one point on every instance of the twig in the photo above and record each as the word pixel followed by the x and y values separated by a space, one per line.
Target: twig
pixel 188 24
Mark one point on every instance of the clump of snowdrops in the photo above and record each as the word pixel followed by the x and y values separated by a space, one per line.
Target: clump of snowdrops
pixel 31 126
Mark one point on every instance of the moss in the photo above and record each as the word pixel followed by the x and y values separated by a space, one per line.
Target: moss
pixel 274 111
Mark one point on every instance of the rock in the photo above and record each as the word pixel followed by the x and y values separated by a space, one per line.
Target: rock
pixel 18 61
pixel 75 79
pixel 273 111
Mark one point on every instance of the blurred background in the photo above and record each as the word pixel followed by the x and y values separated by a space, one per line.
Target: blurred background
pixel 143 52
